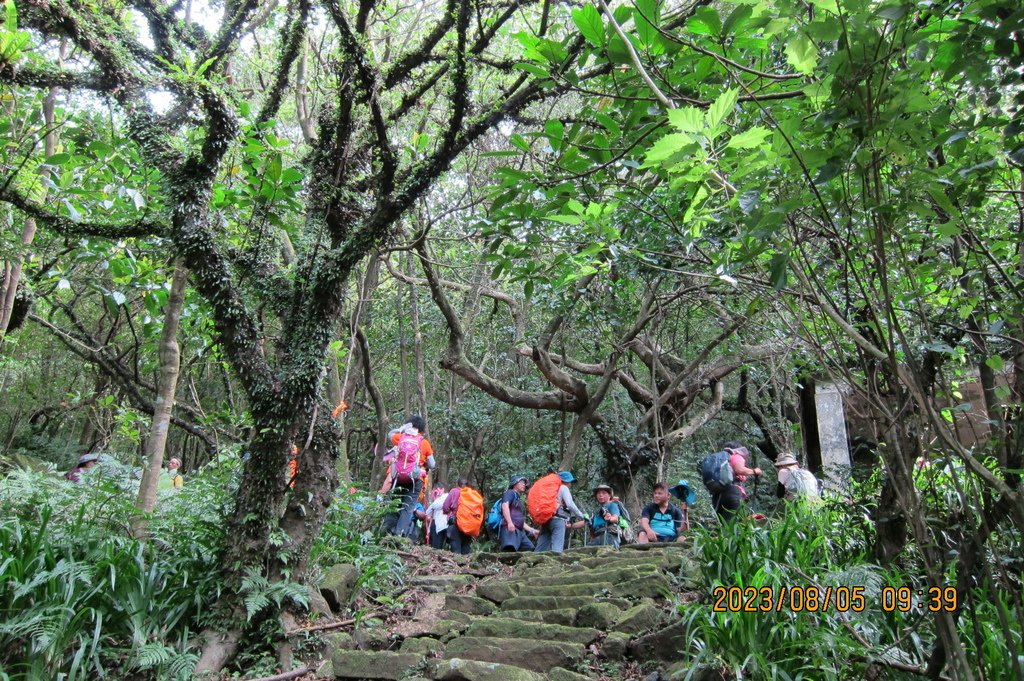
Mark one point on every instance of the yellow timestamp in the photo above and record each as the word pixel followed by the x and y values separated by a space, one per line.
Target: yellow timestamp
pixel 933 599
pixel 794 598
pixel 838 598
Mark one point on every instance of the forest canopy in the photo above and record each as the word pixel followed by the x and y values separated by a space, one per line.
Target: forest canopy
pixel 593 236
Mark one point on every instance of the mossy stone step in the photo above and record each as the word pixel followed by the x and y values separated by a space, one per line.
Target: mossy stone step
pixel 502 627
pixel 471 605
pixel 558 602
pixel 559 590
pixel 457 669
pixel 538 656
pixel 367 664
pixel 614 574
pixel 564 616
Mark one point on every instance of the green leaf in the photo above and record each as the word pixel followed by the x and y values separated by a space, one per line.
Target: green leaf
pixel 779 266
pixel 274 167
pixel 687 119
pixel 58 159
pixel 995 363
pixel 667 146
pixel 722 107
pixel 748 139
pixel 588 20
pixel 534 69
pixel 566 219
pixel 802 54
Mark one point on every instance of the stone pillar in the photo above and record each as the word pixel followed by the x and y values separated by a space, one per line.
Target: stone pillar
pixel 835 449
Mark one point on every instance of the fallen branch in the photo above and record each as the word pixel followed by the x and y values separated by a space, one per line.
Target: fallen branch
pixel 319 627
pixel 301 671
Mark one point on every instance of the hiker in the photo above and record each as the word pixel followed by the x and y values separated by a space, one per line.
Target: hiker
pixel 171 477
pixel 794 482
pixel 85 462
pixel 721 472
pixel 437 521
pixel 465 509
pixel 660 521
pixel 411 457
pixel 604 523
pixel 550 504
pixel 514 533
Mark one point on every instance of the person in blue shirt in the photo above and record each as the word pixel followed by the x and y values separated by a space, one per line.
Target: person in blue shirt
pixel 514 533
pixel 604 522
pixel 660 521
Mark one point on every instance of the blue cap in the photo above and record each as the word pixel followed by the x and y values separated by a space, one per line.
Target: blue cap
pixel 515 478
pixel 683 492
pixel 566 476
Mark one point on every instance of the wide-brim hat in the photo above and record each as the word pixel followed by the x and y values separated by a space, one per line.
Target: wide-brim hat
pixel 86 458
pixel 682 491
pixel 514 479
pixel 785 459
pixel 606 488
pixel 566 476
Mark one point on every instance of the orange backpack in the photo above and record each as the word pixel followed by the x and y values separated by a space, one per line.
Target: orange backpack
pixel 469 517
pixel 542 501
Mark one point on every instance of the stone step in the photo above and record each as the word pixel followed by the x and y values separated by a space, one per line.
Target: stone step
pixel 563 616
pixel 538 656
pixel 367 664
pixel 504 627
pixel 499 592
pixel 616 573
pixel 457 669
pixel 558 602
pixel 471 605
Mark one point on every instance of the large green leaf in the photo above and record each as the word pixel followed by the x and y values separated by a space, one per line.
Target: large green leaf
pixel 588 20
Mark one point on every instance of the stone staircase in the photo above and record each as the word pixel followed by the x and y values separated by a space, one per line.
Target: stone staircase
pixel 584 614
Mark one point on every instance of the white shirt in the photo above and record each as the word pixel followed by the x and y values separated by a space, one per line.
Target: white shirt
pixel 438 518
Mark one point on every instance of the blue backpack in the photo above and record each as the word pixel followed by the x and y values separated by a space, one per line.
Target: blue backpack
pixel 494 518
pixel 715 471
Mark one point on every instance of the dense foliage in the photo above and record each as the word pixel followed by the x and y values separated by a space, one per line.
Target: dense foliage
pixel 605 236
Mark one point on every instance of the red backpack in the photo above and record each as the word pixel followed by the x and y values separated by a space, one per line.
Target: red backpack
pixel 405 467
pixel 542 501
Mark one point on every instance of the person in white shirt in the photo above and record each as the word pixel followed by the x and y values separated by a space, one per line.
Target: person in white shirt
pixel 437 520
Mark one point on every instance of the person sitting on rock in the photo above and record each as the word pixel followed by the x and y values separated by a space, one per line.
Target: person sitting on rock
pixel 604 523
pixel 514 533
pixel 660 521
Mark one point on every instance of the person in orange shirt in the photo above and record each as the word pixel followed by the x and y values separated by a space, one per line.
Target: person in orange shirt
pixel 415 428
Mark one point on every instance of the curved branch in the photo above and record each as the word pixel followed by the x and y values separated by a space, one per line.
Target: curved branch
pixel 292 36
pixel 691 426
pixel 455 359
pixel 69 227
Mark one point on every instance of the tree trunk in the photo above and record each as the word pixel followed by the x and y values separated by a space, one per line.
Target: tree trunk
pixel 163 404
pixel 12 270
pixel 421 377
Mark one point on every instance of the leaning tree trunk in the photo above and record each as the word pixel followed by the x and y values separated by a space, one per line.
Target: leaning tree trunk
pixel 13 271
pixel 163 405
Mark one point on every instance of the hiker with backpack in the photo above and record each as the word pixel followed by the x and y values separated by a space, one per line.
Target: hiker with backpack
pixel 660 521
pixel 550 504
pixel 794 482
pixel 513 531
pixel 437 520
pixel 411 456
pixel 604 523
pixel 721 472
pixel 465 509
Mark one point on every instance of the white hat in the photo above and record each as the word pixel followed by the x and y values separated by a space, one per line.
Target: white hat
pixel 785 459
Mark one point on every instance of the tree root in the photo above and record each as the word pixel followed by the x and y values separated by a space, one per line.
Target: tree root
pixel 217 651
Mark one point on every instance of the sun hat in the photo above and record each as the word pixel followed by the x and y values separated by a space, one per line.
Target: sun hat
pixel 514 479
pixel 785 459
pixel 566 476
pixel 86 458
pixel 606 488
pixel 174 460
pixel 682 491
